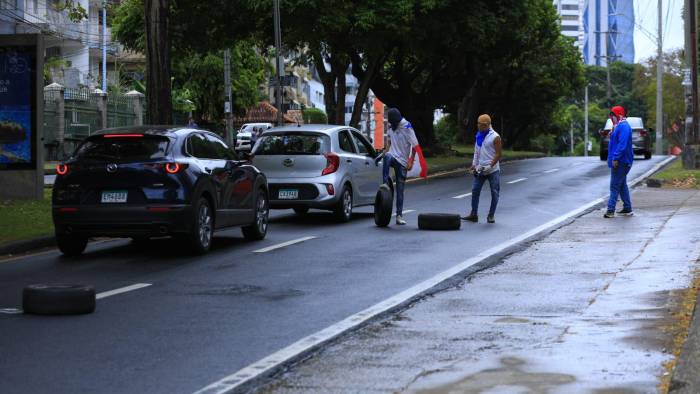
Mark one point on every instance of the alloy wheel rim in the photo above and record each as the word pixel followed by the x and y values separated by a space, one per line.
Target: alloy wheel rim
pixel 262 214
pixel 204 225
pixel 347 203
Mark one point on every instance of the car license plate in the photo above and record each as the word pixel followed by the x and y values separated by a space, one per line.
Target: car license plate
pixel 114 196
pixel 288 194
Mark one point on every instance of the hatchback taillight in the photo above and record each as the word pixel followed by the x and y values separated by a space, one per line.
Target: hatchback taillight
pixel 332 163
pixel 62 169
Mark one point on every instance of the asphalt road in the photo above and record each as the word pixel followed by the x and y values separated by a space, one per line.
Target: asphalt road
pixel 203 318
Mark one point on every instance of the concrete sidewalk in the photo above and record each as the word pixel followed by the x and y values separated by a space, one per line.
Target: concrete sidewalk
pixel 595 306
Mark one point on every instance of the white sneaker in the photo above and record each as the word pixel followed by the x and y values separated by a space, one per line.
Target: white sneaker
pixel 399 220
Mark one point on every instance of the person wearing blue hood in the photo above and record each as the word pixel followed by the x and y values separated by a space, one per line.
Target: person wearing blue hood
pixel 401 152
pixel 485 166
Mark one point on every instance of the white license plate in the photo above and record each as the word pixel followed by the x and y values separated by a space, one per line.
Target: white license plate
pixel 116 196
pixel 288 194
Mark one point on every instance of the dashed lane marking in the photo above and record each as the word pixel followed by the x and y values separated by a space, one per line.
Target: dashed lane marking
pixel 551 171
pixel 462 196
pixel 517 180
pixel 283 244
pixel 121 290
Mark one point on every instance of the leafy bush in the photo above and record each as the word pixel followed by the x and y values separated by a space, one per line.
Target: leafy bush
pixel 544 143
pixel 446 130
pixel 314 116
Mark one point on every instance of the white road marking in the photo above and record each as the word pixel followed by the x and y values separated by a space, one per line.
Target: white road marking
pixel 518 180
pixel 551 171
pixel 462 196
pixel 252 371
pixel 11 311
pixel 405 212
pixel 283 244
pixel 121 290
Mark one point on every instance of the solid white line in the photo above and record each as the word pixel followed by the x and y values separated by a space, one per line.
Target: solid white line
pixel 283 244
pixel 252 371
pixel 121 290
pixel 552 170
pixel 517 180
pixel 462 195
pixel 405 212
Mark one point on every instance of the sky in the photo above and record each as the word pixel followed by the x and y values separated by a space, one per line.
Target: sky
pixel 646 19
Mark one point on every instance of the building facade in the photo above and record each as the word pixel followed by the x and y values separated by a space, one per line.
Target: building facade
pixel 571 12
pixel 608 29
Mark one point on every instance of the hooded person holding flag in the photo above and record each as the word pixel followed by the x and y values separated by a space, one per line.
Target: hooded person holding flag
pixel 401 153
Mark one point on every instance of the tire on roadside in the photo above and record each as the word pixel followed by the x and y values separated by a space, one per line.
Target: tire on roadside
pixel 258 229
pixel 71 245
pixel 439 221
pixel 42 299
pixel 383 204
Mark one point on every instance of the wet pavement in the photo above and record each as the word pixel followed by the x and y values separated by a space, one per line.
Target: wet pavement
pixel 586 309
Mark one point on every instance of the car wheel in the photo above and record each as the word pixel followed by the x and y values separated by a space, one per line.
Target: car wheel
pixel 40 299
pixel 603 155
pixel 203 227
pixel 647 155
pixel 301 211
pixel 258 229
pixel 343 209
pixel 71 245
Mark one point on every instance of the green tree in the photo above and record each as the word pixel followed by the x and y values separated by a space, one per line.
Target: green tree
pixel 673 91
pixel 314 116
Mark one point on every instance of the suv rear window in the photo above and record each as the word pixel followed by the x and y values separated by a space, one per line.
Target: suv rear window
pixel 123 149
pixel 292 143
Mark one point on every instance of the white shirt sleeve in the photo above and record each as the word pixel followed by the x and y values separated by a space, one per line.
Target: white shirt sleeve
pixel 412 137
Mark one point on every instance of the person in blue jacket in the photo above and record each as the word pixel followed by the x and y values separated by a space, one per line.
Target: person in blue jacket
pixel 620 158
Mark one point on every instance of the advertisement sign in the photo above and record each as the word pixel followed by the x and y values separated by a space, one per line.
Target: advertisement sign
pixel 18 127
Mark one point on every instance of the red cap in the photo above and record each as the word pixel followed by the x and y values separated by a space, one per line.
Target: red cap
pixel 618 111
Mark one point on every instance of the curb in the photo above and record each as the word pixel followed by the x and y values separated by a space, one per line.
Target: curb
pixel 27 245
pixel 685 377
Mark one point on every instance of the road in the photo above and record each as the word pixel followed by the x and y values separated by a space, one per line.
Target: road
pixel 203 318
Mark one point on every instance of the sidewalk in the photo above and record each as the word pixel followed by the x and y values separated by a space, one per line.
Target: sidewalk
pixel 596 306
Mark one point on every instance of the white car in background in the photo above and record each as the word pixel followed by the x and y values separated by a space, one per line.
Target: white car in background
pixel 245 135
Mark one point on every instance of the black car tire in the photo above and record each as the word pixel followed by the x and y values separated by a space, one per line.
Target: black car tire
pixel 40 299
pixel 439 221
pixel 383 203
pixel 301 211
pixel 200 238
pixel 603 155
pixel 71 245
pixel 647 155
pixel 258 229
pixel 343 208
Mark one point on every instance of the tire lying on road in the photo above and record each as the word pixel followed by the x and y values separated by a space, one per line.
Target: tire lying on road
pixel 439 221
pixel 383 202
pixel 41 299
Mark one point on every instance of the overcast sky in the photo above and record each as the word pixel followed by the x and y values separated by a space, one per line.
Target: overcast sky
pixel 646 19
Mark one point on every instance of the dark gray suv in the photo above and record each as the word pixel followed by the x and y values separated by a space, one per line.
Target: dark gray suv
pixel 641 138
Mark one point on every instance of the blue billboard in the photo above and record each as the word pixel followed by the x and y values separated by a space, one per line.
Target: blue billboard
pixel 17 107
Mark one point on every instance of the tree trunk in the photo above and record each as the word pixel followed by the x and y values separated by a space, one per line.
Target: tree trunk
pixel 158 88
pixel 342 89
pixel 366 78
pixel 328 79
pixel 466 114
pixel 422 121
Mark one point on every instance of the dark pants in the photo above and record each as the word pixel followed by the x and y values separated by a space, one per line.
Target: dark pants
pixel 494 183
pixel 400 174
pixel 618 187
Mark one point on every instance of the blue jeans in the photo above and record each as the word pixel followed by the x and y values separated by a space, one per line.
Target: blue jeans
pixel 495 185
pixel 400 174
pixel 618 187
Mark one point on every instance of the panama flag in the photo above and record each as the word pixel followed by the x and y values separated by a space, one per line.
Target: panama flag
pixel 420 168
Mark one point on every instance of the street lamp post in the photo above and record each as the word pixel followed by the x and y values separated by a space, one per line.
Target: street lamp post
pixel 278 60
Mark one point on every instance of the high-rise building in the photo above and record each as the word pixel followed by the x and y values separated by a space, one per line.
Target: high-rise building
pixel 608 28
pixel 571 21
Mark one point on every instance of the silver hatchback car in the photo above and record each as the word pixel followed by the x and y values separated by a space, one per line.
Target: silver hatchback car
pixel 318 166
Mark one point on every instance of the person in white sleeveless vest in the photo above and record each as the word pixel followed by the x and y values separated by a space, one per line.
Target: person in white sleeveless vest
pixel 486 166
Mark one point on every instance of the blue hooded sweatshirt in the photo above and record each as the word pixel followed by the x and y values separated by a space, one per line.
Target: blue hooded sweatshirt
pixel 620 147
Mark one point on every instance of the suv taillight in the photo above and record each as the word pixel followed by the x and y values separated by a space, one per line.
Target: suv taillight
pixel 332 163
pixel 174 168
pixel 642 133
pixel 62 169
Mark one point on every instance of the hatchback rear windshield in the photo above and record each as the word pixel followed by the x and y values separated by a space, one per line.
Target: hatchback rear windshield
pixel 123 149
pixel 292 143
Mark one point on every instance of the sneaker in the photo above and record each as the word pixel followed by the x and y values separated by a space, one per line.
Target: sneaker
pixel 490 219
pixel 399 220
pixel 609 214
pixel 471 218
pixel 625 212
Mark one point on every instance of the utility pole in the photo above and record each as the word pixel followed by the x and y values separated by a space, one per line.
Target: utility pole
pixel 279 63
pixel 659 88
pixel 104 46
pixel 691 149
pixel 228 105
pixel 585 123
